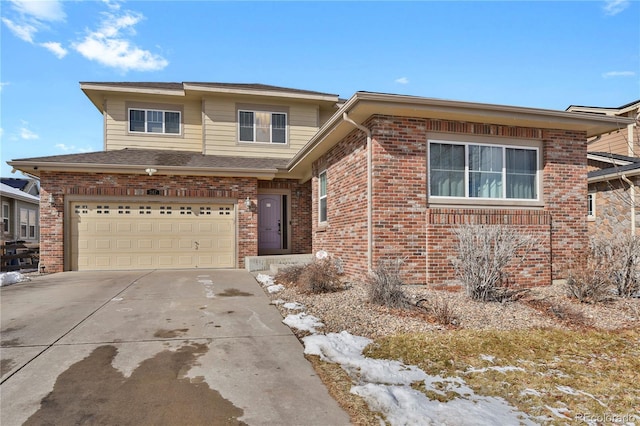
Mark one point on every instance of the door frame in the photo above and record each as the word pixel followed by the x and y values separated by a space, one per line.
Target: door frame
pixel 286 207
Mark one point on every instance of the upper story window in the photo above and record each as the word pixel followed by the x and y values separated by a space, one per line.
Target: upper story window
pixel 322 197
pixel 262 126
pixel 479 171
pixel 154 121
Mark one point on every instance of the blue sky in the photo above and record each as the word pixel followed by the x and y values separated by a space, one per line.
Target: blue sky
pixel 542 54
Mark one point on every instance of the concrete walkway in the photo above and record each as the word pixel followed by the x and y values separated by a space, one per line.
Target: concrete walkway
pixel 153 347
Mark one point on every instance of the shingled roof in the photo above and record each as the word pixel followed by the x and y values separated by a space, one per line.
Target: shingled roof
pixel 141 158
pixel 181 86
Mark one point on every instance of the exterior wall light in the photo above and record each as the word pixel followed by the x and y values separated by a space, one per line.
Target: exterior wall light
pixel 150 171
pixel 247 203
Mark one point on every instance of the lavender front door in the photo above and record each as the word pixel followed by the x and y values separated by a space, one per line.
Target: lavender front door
pixel 269 222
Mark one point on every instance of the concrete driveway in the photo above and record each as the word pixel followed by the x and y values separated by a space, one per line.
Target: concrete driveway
pixel 153 347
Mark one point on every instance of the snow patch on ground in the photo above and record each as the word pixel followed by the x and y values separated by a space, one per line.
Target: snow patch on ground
pixel 386 386
pixel 264 279
pixel 294 306
pixel 303 322
pixel 8 278
pixel 275 288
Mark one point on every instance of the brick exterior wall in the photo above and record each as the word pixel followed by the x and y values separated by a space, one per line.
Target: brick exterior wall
pixel 345 235
pixel 405 226
pixel 300 211
pixel 199 188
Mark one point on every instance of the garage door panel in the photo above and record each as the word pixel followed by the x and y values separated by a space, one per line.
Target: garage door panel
pixel 151 235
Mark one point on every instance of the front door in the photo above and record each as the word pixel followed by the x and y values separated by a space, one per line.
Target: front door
pixel 269 222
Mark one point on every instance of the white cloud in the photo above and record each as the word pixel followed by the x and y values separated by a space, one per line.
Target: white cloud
pixel 613 74
pixel 4 83
pixel 402 80
pixel 112 4
pixel 1 132
pixel 613 7
pixel 50 10
pixel 71 148
pixel 109 46
pixel 55 48
pixel 27 134
pixel 23 31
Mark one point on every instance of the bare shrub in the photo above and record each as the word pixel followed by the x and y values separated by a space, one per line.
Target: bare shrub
pixel 608 263
pixel 589 280
pixel 385 284
pixel 484 251
pixel 320 276
pixel 441 309
pixel 290 274
pixel 625 253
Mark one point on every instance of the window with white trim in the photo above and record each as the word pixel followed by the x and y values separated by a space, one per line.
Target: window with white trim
pixel 6 213
pixel 322 197
pixel 262 126
pixel 483 171
pixel 154 121
pixel 591 205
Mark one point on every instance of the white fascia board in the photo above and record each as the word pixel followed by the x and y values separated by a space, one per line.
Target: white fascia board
pixel 130 89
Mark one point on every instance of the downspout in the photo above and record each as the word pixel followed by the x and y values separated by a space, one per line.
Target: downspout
pixel 346 118
pixel 632 195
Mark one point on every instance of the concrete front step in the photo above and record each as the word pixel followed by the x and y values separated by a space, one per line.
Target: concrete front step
pixel 274 262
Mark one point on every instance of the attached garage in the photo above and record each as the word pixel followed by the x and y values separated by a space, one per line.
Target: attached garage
pixel 151 235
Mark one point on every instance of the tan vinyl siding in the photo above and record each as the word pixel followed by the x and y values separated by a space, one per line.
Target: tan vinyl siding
pixel 117 131
pixel 614 143
pixel 221 128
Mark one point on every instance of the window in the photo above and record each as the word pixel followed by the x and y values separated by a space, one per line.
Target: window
pixel 5 217
pixel 483 171
pixel 322 197
pixel 591 205
pixel 261 126
pixel 27 223
pixel 154 121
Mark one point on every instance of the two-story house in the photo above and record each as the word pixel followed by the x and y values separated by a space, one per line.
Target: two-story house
pixel 206 174
pixel 613 202
pixel 20 200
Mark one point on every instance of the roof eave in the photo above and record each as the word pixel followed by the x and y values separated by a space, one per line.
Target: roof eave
pixel 614 175
pixel 34 167
pixel 257 92
pixel 364 104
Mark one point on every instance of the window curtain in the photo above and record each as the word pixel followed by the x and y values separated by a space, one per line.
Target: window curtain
pixel 521 173
pixel 485 171
pixel 446 165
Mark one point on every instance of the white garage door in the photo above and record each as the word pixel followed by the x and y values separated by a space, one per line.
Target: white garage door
pixel 118 235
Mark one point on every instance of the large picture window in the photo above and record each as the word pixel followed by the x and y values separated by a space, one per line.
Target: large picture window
pixel 322 197
pixel 483 171
pixel 154 121
pixel 262 126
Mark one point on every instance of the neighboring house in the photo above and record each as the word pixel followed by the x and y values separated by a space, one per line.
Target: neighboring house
pixel 613 203
pixel 20 209
pixel 205 174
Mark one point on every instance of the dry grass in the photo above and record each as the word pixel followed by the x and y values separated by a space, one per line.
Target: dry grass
pixel 586 372
pixel 339 386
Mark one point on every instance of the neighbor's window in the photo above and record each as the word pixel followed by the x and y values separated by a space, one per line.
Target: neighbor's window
pixel 27 223
pixel 5 217
pixel 154 121
pixel 322 196
pixel 262 126
pixel 483 171
pixel 591 205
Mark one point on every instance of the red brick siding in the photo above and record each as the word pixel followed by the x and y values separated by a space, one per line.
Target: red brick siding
pixel 345 235
pixel 565 195
pixel 402 220
pixel 441 242
pixel 300 212
pixel 61 185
